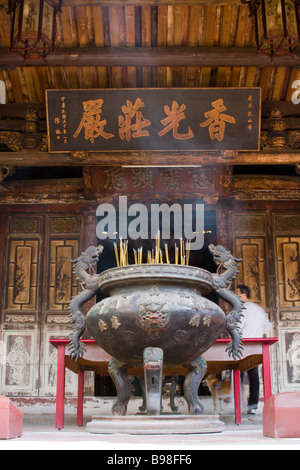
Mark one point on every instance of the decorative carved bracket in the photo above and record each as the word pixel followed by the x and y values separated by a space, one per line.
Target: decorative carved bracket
pixel 30 140
pixel 278 136
pixel 5 172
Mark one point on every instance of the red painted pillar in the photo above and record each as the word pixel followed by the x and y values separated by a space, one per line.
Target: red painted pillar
pixel 267 371
pixel 80 398
pixel 60 389
pixel 237 396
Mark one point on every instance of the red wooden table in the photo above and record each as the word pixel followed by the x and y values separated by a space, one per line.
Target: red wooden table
pixel 256 351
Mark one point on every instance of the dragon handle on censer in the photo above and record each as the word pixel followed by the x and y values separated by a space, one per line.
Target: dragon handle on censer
pixel 155 314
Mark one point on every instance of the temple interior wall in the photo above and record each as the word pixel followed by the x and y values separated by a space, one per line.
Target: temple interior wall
pixel 39 239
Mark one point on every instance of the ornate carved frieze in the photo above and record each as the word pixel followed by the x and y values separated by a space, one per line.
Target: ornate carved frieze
pixel 11 318
pixel 208 183
pixel 244 223
pixel 266 188
pixel 58 319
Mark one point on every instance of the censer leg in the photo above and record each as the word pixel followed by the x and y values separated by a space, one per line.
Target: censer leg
pixel 153 367
pixel 118 372
pixel 174 382
pixel 197 371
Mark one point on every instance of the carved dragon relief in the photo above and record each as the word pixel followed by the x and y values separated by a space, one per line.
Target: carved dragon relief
pixel 221 283
pixel 89 284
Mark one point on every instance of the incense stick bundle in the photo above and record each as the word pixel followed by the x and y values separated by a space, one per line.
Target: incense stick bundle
pixel 154 255
pixel 122 258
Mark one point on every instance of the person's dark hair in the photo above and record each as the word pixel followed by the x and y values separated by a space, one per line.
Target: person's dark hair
pixel 244 290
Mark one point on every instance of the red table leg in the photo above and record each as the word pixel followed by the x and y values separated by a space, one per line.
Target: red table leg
pixel 267 371
pixel 237 396
pixel 60 391
pixel 80 398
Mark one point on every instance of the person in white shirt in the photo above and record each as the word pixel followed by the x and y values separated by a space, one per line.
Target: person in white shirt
pixel 254 324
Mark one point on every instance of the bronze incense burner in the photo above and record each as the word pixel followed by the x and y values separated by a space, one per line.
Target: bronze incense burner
pixel 156 315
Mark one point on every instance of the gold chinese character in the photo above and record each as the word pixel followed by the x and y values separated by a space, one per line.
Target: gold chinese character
pixel 91 121
pixel 200 179
pixel 115 179
pixel 170 178
pixel 142 177
pixel 175 115
pixel 56 120
pixel 216 120
pixel 128 130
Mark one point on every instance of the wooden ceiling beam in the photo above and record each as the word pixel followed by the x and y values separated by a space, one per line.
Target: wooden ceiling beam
pixel 77 3
pixel 151 57
pixel 39 159
pixel 17 110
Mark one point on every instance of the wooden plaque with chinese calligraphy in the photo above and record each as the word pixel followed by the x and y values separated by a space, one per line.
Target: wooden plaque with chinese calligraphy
pixel 176 119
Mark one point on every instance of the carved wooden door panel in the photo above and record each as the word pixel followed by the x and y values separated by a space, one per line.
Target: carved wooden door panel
pixel 38 284
pixel 250 244
pixel 286 227
pixel 269 244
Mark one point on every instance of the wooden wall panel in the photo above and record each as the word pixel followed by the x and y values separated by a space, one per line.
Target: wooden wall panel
pixel 249 238
pixel 38 284
pixel 269 244
pixel 62 283
pixel 20 362
pixel 287 246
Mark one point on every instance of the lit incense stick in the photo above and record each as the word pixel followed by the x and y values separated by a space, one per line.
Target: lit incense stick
pixel 167 253
pixel 116 254
pixel 140 255
pixel 188 250
pixel 176 254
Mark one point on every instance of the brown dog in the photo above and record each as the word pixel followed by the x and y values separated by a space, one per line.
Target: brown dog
pixel 220 390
